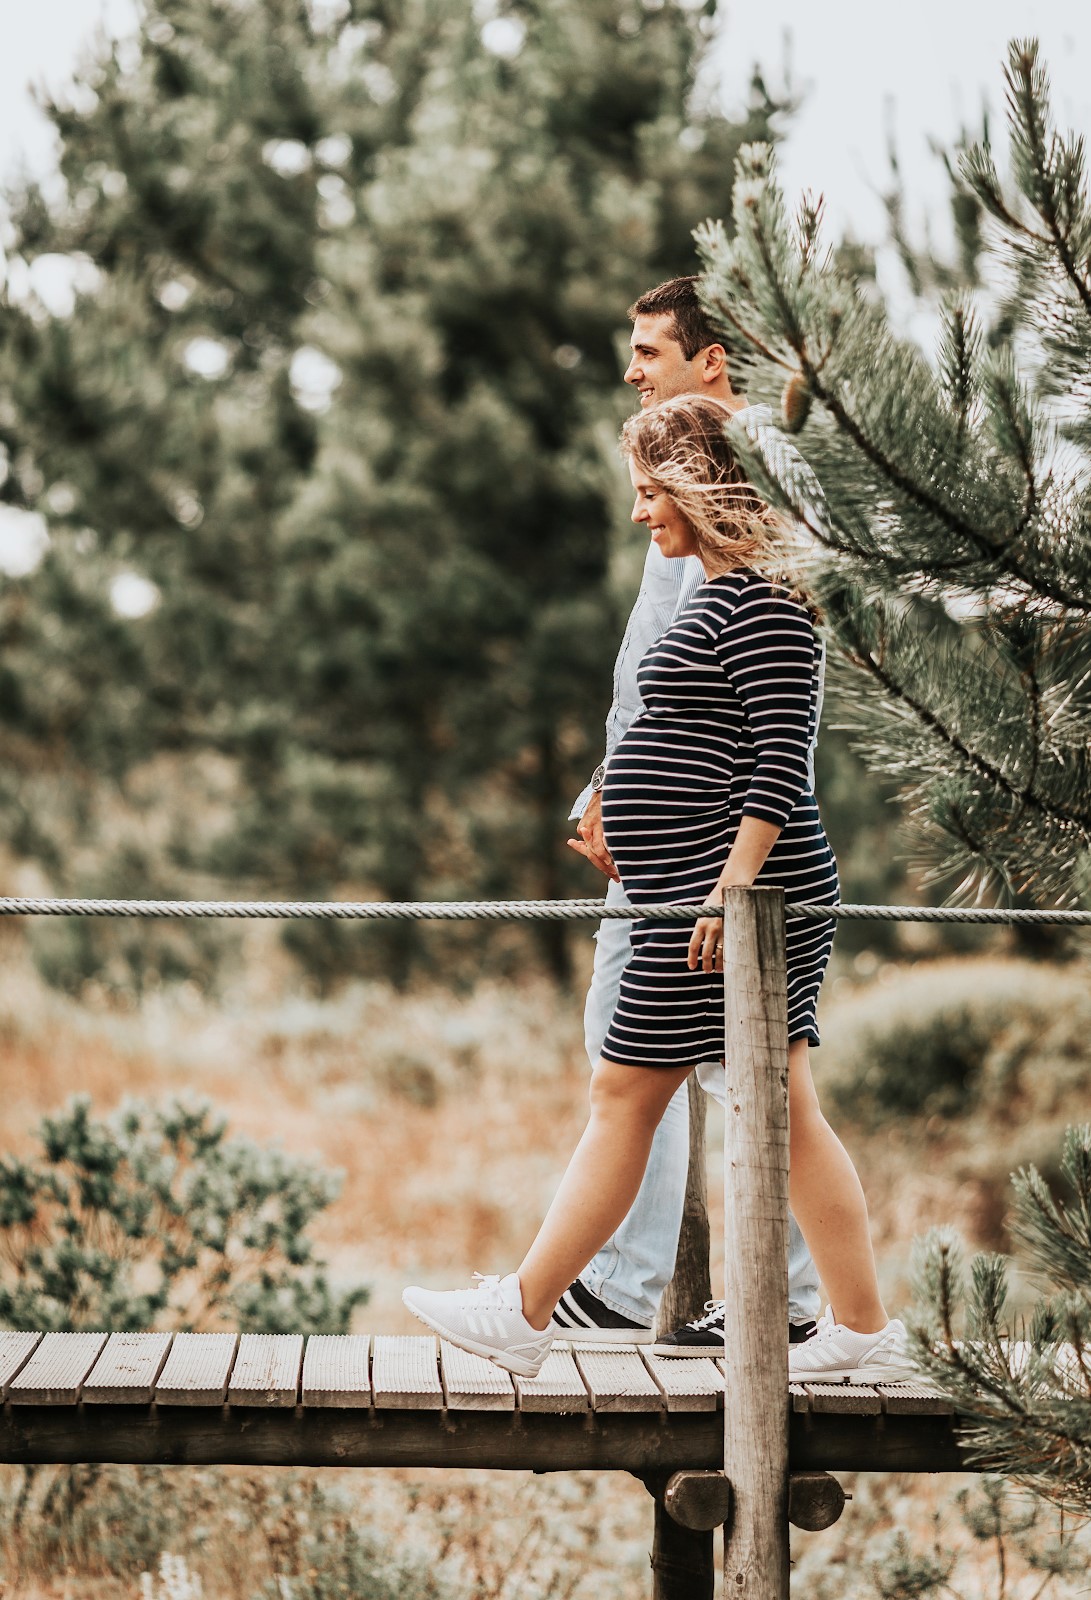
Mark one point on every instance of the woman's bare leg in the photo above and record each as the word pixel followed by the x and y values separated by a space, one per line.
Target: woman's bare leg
pixel 829 1205
pixel 601 1181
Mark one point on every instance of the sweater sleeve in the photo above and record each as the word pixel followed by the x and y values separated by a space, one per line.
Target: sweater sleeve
pixel 767 648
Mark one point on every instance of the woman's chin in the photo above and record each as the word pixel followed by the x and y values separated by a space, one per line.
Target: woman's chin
pixel 671 548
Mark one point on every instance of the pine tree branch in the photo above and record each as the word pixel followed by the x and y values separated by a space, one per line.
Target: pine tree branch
pixel 1034 696
pixel 961 335
pixel 902 566
pixel 981 176
pixel 992 774
pixel 956 1359
pixel 997 551
pixel 724 312
pixel 1026 102
pixel 974 846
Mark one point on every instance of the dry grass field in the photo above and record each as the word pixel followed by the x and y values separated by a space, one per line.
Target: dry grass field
pixel 450 1116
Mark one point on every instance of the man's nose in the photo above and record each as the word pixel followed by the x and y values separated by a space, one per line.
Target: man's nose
pixel 632 371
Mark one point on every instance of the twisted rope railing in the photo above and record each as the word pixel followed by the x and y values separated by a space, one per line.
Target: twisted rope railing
pixel 501 911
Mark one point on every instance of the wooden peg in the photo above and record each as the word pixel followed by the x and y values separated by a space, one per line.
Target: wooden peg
pixel 815 1500
pixel 699 1500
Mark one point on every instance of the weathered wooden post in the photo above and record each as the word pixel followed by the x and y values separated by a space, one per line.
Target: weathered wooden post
pixel 756 1244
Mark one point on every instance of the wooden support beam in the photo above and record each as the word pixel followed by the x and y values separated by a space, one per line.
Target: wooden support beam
pixel 756 1243
pixel 691 1286
pixel 642 1442
pixel 683 1558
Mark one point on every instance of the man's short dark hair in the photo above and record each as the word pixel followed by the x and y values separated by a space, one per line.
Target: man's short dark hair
pixel 678 299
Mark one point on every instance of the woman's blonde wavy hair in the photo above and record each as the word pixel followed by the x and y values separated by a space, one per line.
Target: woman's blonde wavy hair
pixel 682 445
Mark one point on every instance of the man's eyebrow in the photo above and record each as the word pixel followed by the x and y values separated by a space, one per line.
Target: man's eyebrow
pixel 644 349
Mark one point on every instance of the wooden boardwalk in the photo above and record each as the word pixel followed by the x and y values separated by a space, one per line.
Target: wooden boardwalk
pixel 381 1400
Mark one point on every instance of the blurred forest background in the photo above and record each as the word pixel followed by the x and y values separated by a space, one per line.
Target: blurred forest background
pixel 309 387
pixel 317 556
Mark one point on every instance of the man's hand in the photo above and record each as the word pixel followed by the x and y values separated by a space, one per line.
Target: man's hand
pixel 591 842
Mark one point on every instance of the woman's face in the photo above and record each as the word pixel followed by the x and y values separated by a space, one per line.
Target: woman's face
pixel 653 506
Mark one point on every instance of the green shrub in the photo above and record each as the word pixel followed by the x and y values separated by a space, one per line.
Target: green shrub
pixel 154 1218
pixel 946 1038
pixel 318 1553
pixel 166 1534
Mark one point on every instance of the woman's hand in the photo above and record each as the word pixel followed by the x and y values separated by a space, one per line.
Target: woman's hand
pixel 706 945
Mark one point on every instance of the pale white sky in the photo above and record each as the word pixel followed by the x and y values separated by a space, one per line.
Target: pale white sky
pixel 933 62
pixel 926 67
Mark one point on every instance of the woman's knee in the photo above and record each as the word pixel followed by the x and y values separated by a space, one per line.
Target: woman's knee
pixel 633 1093
pixel 612 1085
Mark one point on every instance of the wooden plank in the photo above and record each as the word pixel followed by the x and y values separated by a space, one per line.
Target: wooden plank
pixel 55 1372
pixel 405 1373
pixel 689 1383
pixel 197 1370
pixel 16 1349
pixel 798 1396
pixel 914 1399
pixel 470 1383
pixel 558 1388
pixel 125 1372
pixel 266 1370
pixel 336 1371
pixel 618 1381
pixel 855 1399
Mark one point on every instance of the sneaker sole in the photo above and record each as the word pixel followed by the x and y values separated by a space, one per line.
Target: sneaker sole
pixel 881 1373
pixel 713 1350
pixel 499 1358
pixel 599 1338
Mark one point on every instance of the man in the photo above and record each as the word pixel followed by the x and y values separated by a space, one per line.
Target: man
pixel 675 350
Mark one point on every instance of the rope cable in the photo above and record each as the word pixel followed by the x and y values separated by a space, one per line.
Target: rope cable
pixel 503 911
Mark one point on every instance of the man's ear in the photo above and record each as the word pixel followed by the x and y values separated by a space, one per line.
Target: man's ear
pixel 714 366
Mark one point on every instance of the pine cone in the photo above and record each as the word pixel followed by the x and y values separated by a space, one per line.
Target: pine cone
pixel 795 402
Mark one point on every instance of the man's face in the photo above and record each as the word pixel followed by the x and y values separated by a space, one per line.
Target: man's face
pixel 658 367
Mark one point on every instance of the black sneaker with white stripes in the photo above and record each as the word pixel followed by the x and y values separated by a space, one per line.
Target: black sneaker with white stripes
pixel 582 1319
pixel 704 1336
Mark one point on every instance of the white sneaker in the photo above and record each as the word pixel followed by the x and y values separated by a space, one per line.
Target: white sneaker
pixel 835 1353
pixel 487 1320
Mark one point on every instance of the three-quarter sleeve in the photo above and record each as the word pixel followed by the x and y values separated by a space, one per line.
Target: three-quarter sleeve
pixel 768 649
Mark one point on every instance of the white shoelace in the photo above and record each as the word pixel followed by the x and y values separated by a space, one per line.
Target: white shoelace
pixel 487 1285
pixel 713 1309
pixel 825 1329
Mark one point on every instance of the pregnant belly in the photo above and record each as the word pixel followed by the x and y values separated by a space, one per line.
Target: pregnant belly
pixel 668 847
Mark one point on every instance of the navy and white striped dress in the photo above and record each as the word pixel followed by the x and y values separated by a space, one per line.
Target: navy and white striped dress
pixel 731 695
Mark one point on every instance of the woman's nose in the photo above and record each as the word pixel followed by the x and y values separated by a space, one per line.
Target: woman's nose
pixel 640 512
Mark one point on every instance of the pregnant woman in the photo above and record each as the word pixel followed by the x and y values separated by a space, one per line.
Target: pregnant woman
pixel 709 789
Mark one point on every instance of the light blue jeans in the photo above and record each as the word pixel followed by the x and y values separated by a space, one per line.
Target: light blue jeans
pixel 631 1271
